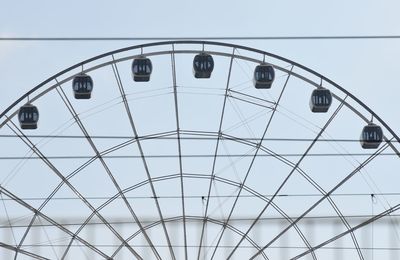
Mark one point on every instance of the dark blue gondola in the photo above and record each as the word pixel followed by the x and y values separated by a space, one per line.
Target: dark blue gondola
pixel 321 100
pixel 141 69
pixel 28 116
pixel 371 136
pixel 203 65
pixel 264 75
pixel 82 85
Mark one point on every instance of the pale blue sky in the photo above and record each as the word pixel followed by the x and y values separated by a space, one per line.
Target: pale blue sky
pixel 362 66
pixel 367 68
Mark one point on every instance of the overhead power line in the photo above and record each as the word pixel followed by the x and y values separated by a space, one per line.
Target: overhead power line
pixel 205 138
pixel 231 38
pixel 213 196
pixel 166 156
pixel 212 246
pixel 123 221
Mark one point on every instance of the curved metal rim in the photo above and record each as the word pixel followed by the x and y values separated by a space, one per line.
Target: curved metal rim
pixel 203 43
pixel 54 77
pixel 193 218
pixel 200 176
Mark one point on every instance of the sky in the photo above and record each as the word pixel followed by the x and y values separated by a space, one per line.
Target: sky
pixel 366 68
pixel 361 66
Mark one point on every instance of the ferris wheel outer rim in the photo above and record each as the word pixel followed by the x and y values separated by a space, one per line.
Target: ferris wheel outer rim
pixel 54 77
pixel 196 42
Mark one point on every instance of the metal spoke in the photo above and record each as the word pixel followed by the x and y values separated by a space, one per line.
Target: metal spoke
pixel 130 116
pixel 247 142
pixel 200 219
pixel 123 95
pixel 38 213
pixel 21 136
pixel 83 166
pixel 71 109
pixel 348 177
pixel 80 168
pixel 205 176
pixel 21 251
pixel 174 82
pixel 290 173
pixel 367 222
pixel 322 192
pixel 235 184
pixel 216 152
pixel 253 159
pixel 8 218
pixel 29 143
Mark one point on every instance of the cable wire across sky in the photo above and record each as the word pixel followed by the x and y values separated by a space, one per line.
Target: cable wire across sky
pixel 231 38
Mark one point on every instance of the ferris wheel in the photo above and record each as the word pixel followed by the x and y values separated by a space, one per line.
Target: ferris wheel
pixel 195 150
